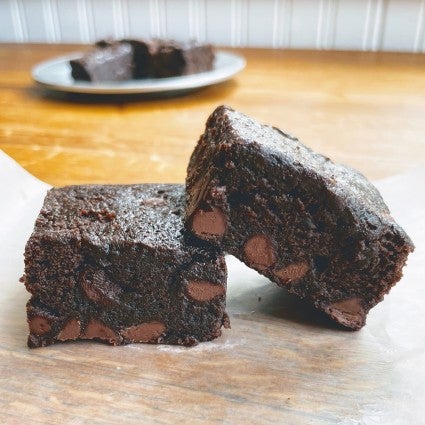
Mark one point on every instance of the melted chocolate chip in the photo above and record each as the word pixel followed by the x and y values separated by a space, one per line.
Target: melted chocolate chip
pixel 39 325
pixel 99 288
pixel 292 273
pixel 98 330
pixel 145 332
pixel 202 290
pixel 209 224
pixel 259 252
pixel 71 330
pixel 349 312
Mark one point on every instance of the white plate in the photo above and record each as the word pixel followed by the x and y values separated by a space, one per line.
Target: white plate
pixel 55 74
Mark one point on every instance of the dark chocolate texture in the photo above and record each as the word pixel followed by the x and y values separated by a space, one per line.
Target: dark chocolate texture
pixel 110 263
pixel 317 228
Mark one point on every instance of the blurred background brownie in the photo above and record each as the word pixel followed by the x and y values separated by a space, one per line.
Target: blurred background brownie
pixel 150 58
pixel 319 229
pixel 109 62
pixel 110 263
pixel 171 59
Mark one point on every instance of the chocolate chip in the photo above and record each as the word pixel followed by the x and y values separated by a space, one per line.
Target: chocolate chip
pixel 202 290
pixel 98 330
pixel 349 312
pixel 293 272
pixel 145 332
pixel 39 325
pixel 209 224
pixel 99 288
pixel 259 252
pixel 71 330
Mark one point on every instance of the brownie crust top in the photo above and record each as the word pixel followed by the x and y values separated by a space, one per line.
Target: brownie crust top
pixel 144 214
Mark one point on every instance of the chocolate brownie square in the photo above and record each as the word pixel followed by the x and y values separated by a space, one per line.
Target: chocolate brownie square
pixel 106 62
pixel 317 228
pixel 159 58
pixel 110 263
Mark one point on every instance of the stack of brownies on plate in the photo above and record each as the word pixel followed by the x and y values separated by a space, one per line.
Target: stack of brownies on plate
pixel 145 263
pixel 118 60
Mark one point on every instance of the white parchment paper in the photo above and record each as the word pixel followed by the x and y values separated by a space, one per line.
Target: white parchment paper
pixel 387 355
pixel 21 197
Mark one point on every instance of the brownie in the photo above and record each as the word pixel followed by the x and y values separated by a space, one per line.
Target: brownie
pixel 159 58
pixel 317 228
pixel 170 58
pixel 110 263
pixel 105 62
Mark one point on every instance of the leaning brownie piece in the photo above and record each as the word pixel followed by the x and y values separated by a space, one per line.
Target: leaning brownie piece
pixel 106 62
pixel 110 263
pixel 317 228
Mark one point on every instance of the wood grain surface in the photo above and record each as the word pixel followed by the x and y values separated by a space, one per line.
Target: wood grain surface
pixel 282 362
pixel 363 109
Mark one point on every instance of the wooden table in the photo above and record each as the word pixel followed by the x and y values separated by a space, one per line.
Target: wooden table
pixel 281 362
pixel 363 109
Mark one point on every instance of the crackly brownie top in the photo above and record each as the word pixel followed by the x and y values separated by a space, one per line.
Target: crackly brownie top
pixel 150 214
pixel 229 126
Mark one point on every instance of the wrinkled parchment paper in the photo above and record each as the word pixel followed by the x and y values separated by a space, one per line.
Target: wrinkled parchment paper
pixel 378 373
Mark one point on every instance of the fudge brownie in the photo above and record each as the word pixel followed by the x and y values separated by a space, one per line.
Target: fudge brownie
pixel 108 62
pixel 317 228
pixel 158 58
pixel 110 263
